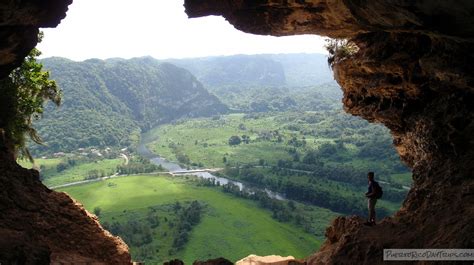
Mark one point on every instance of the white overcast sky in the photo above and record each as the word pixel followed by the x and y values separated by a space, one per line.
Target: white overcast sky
pixel 159 28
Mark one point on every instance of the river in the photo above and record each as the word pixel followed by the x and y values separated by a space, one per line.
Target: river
pixel 173 167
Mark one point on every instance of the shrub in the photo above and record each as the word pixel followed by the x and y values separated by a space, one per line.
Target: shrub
pixel 340 49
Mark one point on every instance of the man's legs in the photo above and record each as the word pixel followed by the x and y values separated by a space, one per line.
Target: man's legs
pixel 371 205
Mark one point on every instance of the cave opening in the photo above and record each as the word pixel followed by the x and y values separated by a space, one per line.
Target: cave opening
pixel 423 104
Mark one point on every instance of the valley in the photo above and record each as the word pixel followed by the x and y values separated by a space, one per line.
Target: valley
pixel 252 119
pixel 324 154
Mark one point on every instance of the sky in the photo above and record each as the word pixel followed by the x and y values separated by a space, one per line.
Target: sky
pixel 158 28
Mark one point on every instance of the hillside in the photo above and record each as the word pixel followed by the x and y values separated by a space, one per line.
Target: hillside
pixel 267 82
pixel 235 71
pixel 267 99
pixel 261 70
pixel 304 69
pixel 108 103
pixel 142 93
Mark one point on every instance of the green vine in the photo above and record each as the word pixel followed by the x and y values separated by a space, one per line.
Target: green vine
pixel 24 94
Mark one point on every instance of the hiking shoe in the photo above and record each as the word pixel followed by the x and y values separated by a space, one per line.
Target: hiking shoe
pixel 369 223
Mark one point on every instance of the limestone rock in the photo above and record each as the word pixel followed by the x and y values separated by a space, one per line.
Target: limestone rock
pixel 41 226
pixel 19 26
pixel 265 260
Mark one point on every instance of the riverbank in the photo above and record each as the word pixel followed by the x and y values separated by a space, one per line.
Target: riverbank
pixel 175 168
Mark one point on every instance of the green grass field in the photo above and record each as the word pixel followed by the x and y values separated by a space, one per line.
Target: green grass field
pixel 231 227
pixel 76 173
pixel 206 140
pixel 49 164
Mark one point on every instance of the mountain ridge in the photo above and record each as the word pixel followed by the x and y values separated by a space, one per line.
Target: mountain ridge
pixel 143 92
pixel 138 94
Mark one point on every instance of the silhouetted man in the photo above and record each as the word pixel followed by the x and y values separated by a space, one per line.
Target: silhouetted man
pixel 372 194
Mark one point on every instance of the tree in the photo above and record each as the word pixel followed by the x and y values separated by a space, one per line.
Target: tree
pixel 291 205
pixel 97 211
pixel 177 206
pixel 24 93
pixel 311 157
pixel 153 219
pixel 61 167
pixel 296 157
pixel 327 149
pixel 279 139
pixel 183 158
pixel 235 140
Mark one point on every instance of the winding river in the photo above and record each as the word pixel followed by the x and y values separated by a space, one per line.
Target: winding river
pixel 173 167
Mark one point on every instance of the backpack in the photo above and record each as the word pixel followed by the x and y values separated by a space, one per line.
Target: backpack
pixel 378 190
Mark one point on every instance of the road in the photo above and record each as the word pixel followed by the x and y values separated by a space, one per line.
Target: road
pixel 84 181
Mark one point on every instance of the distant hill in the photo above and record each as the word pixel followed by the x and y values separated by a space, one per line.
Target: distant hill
pixel 267 82
pixel 233 71
pixel 305 69
pixel 262 70
pixel 108 103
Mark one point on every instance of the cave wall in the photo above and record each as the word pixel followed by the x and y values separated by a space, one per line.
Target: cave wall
pixel 38 225
pixel 414 74
pixel 41 226
pixel 19 26
pixel 341 18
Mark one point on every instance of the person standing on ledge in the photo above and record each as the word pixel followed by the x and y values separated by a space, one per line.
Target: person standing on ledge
pixel 374 192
